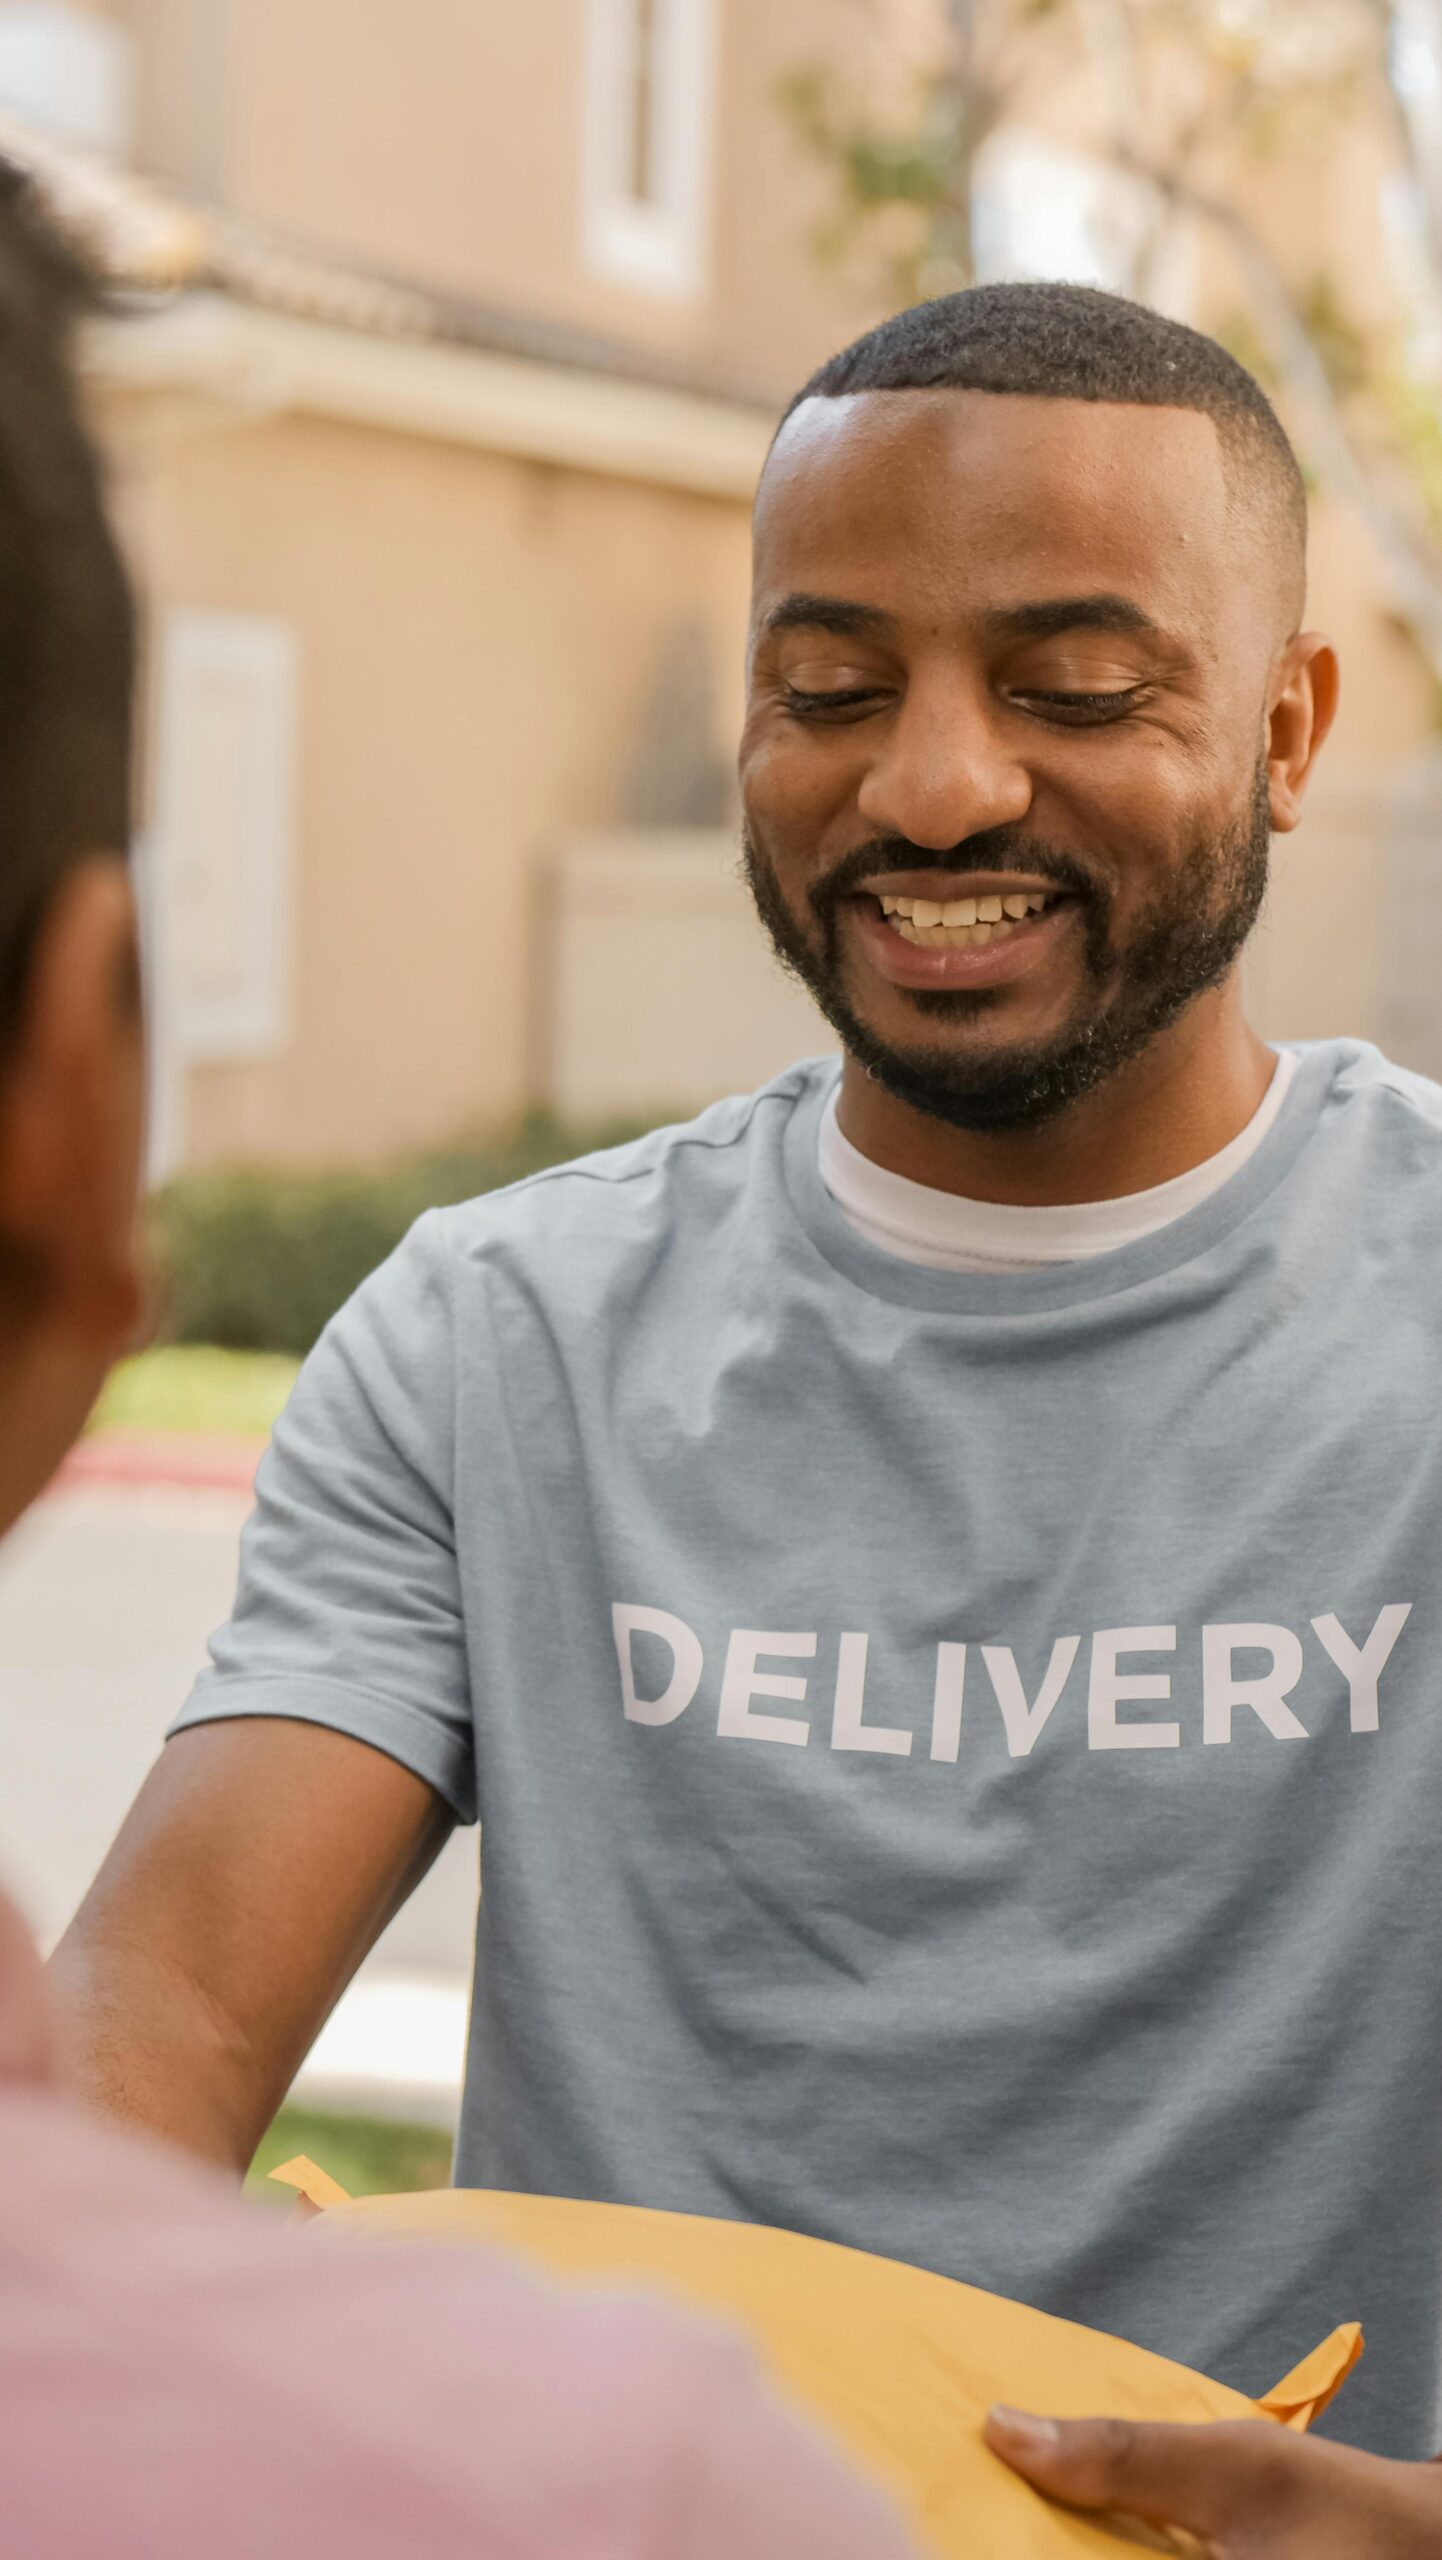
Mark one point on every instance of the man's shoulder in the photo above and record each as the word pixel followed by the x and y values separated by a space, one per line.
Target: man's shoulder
pixel 1371 1171
pixel 1364 1082
pixel 688 1169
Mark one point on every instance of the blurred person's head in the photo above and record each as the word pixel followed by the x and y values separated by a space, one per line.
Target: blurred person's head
pixel 71 1068
pixel 1029 574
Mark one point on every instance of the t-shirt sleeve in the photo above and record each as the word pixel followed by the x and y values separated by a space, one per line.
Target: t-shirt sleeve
pixel 348 1609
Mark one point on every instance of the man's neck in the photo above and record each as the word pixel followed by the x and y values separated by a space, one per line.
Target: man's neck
pixel 1184 1099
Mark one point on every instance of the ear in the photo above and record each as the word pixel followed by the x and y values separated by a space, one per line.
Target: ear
pixel 1304 704
pixel 72 1117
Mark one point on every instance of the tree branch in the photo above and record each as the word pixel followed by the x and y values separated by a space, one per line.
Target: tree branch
pixel 1416 588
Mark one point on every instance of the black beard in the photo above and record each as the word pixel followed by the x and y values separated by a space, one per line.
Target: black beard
pixel 1183 943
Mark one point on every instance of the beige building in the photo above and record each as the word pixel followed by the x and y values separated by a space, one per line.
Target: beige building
pixel 457 335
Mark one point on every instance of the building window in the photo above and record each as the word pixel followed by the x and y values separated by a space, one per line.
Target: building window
pixel 647 158
pixel 224 828
pixel 642 106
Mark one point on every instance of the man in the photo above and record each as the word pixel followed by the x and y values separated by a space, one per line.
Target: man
pixel 926 1575
pixel 176 2377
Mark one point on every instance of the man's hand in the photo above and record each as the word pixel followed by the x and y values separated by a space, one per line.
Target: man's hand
pixel 1248 2492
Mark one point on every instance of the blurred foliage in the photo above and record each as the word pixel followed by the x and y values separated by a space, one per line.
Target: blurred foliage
pixel 1237 331
pixel 1348 357
pixel 260 1258
pixel 367 2155
pixel 876 166
pixel 187 1387
pixel 1187 99
pixel 903 180
pixel 1415 425
pixel 1159 83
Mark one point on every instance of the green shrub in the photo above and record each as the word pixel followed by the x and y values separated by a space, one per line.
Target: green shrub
pixel 367 2155
pixel 259 1259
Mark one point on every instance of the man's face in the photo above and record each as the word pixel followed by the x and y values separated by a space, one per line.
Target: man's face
pixel 1003 769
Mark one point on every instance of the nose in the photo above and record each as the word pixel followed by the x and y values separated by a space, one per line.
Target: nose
pixel 942 772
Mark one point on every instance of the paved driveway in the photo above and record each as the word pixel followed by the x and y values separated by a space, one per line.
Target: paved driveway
pixel 106 1600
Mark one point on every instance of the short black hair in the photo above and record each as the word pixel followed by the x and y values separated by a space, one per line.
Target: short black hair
pixel 1072 342
pixel 67 616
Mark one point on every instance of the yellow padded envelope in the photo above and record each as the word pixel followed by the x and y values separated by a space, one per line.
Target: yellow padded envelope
pixel 899 2366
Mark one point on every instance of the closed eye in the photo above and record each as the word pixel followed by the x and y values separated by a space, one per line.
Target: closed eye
pixel 1085 710
pixel 830 706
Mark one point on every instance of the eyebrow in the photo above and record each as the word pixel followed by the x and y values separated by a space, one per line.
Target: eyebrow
pixel 1042 620
pixel 826 613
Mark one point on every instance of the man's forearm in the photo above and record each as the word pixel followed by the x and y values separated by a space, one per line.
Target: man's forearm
pixel 255 1870
pixel 140 2043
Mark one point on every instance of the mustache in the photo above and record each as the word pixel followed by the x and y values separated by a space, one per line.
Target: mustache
pixel 993 849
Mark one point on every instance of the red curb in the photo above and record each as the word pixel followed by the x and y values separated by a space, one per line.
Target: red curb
pixel 204 1461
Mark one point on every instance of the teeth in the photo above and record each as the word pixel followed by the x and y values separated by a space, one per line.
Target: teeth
pixel 966 911
pixel 962 924
pixel 940 937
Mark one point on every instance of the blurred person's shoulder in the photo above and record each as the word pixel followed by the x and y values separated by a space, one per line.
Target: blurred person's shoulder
pixel 361 2399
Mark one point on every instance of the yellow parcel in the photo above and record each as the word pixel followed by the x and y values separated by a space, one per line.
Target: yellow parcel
pixel 900 2366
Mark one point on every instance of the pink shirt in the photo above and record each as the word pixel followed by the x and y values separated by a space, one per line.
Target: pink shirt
pixel 178 2377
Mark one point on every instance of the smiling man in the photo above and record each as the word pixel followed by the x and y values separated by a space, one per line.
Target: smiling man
pixel 927 1574
pixel 1034 637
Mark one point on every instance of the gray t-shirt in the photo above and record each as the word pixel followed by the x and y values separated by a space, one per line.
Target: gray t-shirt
pixel 958 1755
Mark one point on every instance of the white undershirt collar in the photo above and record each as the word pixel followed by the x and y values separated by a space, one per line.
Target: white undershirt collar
pixel 936 1228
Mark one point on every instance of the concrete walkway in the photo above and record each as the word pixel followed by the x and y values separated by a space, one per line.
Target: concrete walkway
pixel 108 1593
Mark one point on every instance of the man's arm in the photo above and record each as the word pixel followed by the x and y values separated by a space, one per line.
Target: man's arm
pixel 257 1867
pixel 1251 2492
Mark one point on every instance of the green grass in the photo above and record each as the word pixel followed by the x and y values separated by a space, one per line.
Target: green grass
pixel 186 1387
pixel 367 2154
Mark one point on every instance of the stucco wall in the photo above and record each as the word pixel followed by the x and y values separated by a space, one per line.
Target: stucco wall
pixel 444 141
pixel 479 641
